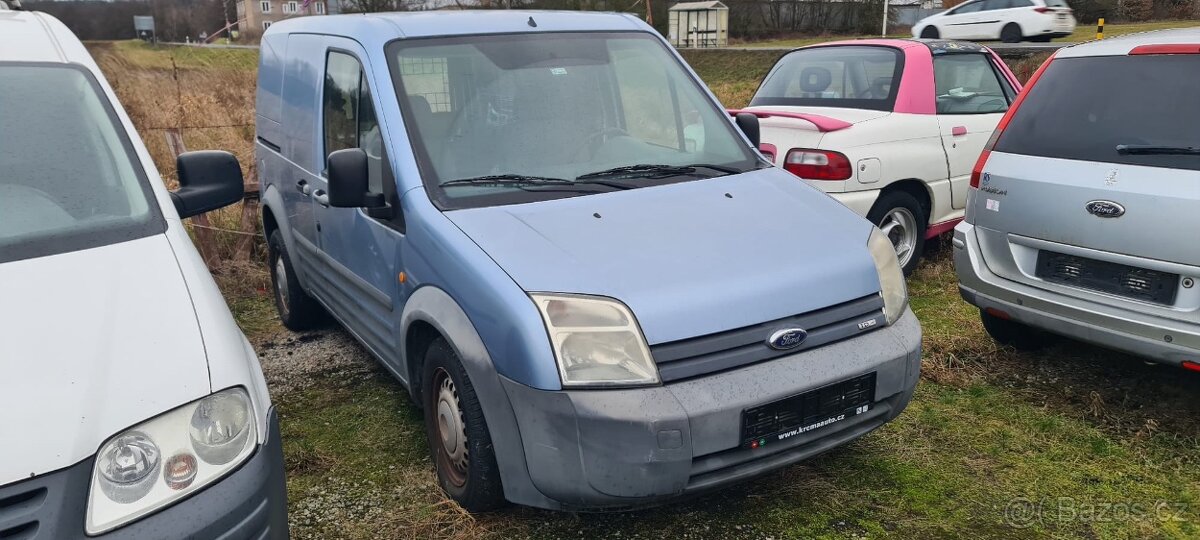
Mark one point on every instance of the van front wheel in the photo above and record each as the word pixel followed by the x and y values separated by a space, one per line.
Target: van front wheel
pixel 297 310
pixel 458 435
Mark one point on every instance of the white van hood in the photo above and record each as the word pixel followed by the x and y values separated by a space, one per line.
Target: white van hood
pixel 92 342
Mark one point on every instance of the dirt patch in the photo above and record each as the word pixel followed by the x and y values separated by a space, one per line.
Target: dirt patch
pixel 292 361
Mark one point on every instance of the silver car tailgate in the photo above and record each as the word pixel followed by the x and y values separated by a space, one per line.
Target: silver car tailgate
pixel 1145 219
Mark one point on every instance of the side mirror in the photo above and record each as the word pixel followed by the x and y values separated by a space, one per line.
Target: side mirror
pixel 208 180
pixel 748 123
pixel 348 180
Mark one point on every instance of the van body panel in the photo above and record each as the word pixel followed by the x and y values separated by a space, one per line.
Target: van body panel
pixel 688 255
pixel 686 269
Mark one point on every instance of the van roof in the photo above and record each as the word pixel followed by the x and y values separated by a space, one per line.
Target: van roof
pixel 30 36
pixel 382 27
pixel 1121 45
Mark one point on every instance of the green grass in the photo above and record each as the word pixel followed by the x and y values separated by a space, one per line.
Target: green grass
pixel 144 55
pixel 1087 32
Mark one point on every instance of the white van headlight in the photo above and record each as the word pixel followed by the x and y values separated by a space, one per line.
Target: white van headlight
pixel 596 341
pixel 167 458
pixel 891 277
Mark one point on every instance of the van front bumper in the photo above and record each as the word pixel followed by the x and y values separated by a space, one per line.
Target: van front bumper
pixel 1167 341
pixel 612 449
pixel 251 502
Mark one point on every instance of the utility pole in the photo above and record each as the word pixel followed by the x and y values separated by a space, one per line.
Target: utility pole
pixel 885 17
pixel 649 14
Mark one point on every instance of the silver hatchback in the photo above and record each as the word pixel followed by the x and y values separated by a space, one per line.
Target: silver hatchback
pixel 1084 217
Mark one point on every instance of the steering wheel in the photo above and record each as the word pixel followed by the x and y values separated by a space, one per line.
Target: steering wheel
pixel 992 106
pixel 592 142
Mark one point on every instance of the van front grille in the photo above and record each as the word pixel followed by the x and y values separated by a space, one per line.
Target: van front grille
pixel 712 353
pixel 18 513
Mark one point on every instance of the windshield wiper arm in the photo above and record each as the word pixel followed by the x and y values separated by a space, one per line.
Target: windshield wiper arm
pixel 655 170
pixel 506 180
pixel 1147 149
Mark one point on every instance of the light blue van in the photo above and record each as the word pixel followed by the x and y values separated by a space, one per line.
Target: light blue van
pixel 551 233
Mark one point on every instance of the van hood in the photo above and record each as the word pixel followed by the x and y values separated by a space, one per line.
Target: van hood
pixel 92 342
pixel 690 258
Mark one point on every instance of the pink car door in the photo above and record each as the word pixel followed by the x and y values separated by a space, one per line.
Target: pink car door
pixel 973 91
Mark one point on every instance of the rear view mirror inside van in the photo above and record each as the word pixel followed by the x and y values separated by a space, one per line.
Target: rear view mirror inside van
pixel 348 179
pixel 208 180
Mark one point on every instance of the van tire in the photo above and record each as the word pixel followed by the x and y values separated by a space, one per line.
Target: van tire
pixel 1011 33
pixel 1014 334
pixel 930 32
pixel 297 310
pixel 466 468
pixel 903 209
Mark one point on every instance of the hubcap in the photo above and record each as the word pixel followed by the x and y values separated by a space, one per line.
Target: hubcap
pixel 452 431
pixel 281 286
pixel 900 226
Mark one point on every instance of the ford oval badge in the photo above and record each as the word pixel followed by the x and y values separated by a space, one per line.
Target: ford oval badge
pixel 787 338
pixel 1105 209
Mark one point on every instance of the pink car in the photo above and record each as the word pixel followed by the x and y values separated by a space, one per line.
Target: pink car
pixel 889 127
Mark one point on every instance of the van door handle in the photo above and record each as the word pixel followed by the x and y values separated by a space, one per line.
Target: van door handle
pixel 302 186
pixel 958 131
pixel 321 197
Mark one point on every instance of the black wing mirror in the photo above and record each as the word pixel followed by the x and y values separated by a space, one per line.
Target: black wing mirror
pixel 208 180
pixel 348 180
pixel 748 123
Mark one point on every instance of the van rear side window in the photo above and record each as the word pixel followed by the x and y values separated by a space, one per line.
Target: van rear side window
pixel 1084 108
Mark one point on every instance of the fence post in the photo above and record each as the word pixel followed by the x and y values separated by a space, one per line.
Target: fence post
pixel 1100 28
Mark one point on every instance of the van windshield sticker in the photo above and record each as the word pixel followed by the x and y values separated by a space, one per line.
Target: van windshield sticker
pixel 558 71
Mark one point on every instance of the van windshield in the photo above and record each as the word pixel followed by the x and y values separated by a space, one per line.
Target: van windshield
pixel 517 118
pixel 68 178
pixel 848 76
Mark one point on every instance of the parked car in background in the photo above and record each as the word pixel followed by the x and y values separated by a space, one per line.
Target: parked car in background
pixel 888 127
pixel 549 231
pixel 1084 204
pixel 1010 21
pixel 132 406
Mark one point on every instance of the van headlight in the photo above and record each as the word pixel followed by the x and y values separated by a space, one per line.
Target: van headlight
pixel 162 460
pixel 891 277
pixel 596 341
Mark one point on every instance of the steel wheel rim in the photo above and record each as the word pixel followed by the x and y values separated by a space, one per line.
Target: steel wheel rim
pixel 281 286
pixel 451 441
pixel 900 227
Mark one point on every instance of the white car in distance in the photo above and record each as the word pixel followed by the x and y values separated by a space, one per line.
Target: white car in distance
pixel 1010 21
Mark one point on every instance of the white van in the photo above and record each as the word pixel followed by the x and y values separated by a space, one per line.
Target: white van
pixel 131 406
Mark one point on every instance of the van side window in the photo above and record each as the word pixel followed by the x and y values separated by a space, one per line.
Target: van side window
pixel 968 84
pixel 349 118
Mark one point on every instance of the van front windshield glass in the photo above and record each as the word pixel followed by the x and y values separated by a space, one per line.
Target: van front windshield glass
pixel 518 118
pixel 68 178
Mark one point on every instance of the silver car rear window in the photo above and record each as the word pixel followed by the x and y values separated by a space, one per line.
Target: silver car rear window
pixel 1084 108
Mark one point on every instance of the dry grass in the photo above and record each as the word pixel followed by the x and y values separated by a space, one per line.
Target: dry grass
pixel 209 98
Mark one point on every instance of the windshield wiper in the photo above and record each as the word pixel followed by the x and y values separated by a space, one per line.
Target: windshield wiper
pixel 1148 149
pixel 655 171
pixel 507 180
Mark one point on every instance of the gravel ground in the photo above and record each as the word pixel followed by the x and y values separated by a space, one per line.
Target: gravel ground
pixel 293 361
